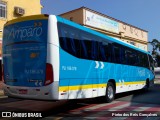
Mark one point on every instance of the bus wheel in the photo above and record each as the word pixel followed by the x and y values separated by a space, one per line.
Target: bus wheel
pixel 110 92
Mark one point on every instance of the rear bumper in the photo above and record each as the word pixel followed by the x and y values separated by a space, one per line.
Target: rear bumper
pixel 40 93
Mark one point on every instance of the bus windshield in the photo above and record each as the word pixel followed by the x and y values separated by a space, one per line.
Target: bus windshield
pixel 24 53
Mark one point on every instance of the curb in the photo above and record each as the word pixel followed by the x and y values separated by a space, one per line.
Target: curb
pixel 157 80
pixel 1 93
pixel 1 89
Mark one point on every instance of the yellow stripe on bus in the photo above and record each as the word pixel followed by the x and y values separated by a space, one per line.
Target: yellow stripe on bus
pixel 130 83
pixel 81 87
pixel 25 18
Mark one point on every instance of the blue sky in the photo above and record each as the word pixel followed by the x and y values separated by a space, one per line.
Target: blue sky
pixel 144 14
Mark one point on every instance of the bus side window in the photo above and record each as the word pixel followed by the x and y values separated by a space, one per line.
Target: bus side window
pixel 146 63
pixel 137 59
pixel 94 50
pixel 89 47
pixel 63 40
pixel 123 56
pixel 84 53
pixel 110 51
pixel 143 60
pixel 67 41
pixel 78 47
pixel 116 54
pixel 140 60
pixel 105 52
pixel 72 44
pixel 102 52
pixel 133 58
pixel 127 54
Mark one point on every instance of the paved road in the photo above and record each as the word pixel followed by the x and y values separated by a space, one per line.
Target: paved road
pixel 132 103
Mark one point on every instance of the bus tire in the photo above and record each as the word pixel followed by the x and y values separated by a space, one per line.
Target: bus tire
pixel 110 92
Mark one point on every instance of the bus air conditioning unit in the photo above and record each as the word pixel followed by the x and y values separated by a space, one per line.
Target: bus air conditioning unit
pixel 19 11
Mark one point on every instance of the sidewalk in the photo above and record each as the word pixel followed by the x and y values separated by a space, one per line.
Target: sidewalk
pixel 0 85
pixel 157 76
pixel 157 69
pixel 1 91
pixel 157 80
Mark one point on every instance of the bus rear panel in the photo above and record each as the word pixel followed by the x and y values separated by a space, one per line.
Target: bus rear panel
pixel 27 73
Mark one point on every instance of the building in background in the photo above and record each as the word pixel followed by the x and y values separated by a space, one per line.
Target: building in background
pixel 11 9
pixel 109 26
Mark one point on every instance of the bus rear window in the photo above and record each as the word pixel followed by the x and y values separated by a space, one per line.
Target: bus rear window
pixel 27 31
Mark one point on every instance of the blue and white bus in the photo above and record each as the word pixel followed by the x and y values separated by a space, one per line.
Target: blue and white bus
pixel 48 57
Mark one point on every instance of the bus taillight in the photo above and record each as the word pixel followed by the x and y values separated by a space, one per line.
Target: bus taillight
pixel 49 74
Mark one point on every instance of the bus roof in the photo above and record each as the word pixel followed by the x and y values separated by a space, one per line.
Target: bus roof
pixel 25 18
pixel 63 20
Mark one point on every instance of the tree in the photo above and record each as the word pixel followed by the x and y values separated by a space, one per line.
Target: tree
pixel 156 46
pixel 158 60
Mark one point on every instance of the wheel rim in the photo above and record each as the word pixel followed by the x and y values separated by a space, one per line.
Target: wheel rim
pixel 110 92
